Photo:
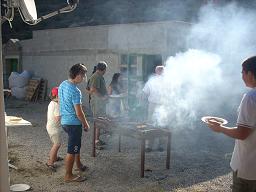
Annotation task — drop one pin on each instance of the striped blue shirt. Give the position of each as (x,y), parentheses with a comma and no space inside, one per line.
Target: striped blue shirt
(69,96)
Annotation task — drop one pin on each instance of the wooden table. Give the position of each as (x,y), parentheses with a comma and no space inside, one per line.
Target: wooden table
(130,129)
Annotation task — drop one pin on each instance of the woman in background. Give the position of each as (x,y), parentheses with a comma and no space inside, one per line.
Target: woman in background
(115,87)
(115,90)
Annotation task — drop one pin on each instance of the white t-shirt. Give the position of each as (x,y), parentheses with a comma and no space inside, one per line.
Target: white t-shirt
(244,155)
(152,91)
(52,125)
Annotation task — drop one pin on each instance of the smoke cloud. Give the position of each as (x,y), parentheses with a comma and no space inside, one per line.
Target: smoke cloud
(206,79)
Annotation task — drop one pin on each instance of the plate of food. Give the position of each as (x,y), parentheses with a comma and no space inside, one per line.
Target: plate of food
(209,119)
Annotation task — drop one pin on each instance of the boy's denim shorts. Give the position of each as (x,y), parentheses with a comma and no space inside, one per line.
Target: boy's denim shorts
(74,138)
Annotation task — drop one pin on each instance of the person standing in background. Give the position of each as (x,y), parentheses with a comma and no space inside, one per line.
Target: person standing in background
(53,128)
(115,90)
(73,119)
(152,94)
(99,97)
(115,87)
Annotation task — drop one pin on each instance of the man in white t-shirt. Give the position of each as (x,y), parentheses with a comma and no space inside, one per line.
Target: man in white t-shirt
(153,95)
(243,162)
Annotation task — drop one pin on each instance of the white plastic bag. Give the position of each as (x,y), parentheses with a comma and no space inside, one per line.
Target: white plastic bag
(19,80)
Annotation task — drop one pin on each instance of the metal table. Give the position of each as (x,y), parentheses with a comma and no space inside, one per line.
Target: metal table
(131,129)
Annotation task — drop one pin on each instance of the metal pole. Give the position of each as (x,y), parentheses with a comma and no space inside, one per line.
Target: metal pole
(142,157)
(119,142)
(93,139)
(168,151)
(4,169)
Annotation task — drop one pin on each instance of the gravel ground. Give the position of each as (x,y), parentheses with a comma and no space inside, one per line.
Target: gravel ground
(199,159)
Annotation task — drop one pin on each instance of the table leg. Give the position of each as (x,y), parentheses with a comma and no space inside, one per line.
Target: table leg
(142,158)
(119,143)
(168,151)
(93,140)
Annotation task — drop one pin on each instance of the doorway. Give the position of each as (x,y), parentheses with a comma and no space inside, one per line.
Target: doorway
(136,69)
(149,63)
(10,65)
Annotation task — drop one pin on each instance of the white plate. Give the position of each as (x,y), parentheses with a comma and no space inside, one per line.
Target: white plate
(217,119)
(19,187)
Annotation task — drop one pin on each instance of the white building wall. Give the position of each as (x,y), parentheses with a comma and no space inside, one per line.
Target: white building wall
(52,52)
(79,38)
(55,68)
(148,38)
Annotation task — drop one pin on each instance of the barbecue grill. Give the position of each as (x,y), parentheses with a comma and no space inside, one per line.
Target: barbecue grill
(140,131)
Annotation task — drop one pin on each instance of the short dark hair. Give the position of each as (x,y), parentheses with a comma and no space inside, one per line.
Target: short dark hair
(77,69)
(101,66)
(249,64)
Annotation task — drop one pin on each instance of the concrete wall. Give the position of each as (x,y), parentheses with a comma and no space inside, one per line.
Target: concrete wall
(138,38)
(55,68)
(51,52)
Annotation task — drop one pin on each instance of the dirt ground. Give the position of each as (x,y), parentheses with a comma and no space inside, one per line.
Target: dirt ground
(199,159)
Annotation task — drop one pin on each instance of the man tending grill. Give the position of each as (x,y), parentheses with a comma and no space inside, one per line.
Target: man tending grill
(153,96)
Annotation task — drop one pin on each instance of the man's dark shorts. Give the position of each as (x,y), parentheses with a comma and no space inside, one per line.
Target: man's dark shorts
(74,138)
(243,185)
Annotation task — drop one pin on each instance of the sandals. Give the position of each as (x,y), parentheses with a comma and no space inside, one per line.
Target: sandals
(78,178)
(51,167)
(54,167)
(83,168)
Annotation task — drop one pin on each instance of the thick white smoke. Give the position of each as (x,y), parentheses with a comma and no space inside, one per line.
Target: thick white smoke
(183,86)
(208,76)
